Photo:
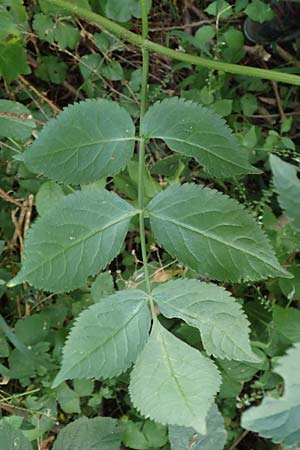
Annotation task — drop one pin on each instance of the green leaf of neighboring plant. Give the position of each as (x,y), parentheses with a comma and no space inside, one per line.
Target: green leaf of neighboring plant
(13,60)
(196,131)
(144,435)
(83,388)
(98,143)
(60,32)
(47,196)
(102,286)
(113,71)
(44,27)
(78,238)
(220,319)
(212,234)
(123,10)
(259,11)
(182,438)
(66,35)
(291,288)
(16,120)
(287,186)
(107,337)
(12,439)
(15,9)
(68,399)
(90,434)
(279,419)
(172,383)
(51,69)
(287,322)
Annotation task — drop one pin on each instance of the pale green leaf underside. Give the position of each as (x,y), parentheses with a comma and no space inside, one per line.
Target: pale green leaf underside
(287,186)
(74,240)
(182,438)
(88,141)
(212,234)
(279,419)
(224,327)
(107,337)
(12,439)
(90,434)
(172,383)
(196,131)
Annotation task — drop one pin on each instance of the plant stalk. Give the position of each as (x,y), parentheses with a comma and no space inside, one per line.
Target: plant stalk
(142,42)
(142,145)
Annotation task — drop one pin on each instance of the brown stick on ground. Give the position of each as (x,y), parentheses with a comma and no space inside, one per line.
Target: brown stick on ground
(5,196)
(55,109)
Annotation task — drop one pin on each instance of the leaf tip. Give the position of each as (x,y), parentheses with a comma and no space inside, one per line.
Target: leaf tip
(20,157)
(58,380)
(285,274)
(15,281)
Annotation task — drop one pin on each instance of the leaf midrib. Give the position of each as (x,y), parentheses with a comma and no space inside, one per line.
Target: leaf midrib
(209,236)
(84,238)
(206,149)
(111,336)
(79,147)
(171,370)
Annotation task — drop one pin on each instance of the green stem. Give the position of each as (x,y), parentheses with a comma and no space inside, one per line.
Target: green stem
(143,42)
(142,145)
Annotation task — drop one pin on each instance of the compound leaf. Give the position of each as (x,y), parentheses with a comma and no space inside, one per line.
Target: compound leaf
(287,186)
(172,383)
(279,419)
(182,438)
(107,337)
(88,141)
(196,131)
(212,234)
(90,434)
(74,240)
(220,319)
(12,439)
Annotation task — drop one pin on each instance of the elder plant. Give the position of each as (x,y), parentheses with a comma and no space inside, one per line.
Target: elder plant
(171,382)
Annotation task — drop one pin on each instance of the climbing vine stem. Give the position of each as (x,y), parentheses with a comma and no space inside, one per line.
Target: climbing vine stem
(142,42)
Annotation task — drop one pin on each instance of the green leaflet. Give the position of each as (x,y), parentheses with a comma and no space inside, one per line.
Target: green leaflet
(279,419)
(196,131)
(74,240)
(16,120)
(287,186)
(212,234)
(12,439)
(88,141)
(172,383)
(107,337)
(182,438)
(90,434)
(224,327)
